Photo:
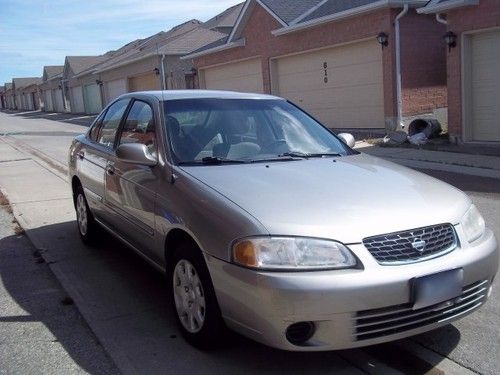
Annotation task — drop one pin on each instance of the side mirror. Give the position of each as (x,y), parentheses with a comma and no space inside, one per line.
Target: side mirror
(136,153)
(347,138)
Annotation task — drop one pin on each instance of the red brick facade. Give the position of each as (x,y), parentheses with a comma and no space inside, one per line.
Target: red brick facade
(423,64)
(423,78)
(483,16)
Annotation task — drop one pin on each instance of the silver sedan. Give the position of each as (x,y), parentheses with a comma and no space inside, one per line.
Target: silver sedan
(268,223)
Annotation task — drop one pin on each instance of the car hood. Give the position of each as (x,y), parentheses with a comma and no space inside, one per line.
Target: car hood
(346,198)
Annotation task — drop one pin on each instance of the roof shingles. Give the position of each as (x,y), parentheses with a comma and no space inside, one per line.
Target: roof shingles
(336,6)
(20,83)
(289,10)
(52,71)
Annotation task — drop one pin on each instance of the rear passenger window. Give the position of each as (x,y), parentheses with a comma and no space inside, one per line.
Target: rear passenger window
(111,122)
(139,126)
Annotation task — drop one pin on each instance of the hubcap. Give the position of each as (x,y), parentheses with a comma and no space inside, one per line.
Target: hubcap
(189,296)
(81,214)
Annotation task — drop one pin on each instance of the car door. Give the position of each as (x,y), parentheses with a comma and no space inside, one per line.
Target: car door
(93,156)
(131,188)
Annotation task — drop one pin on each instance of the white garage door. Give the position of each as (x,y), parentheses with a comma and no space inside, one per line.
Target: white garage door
(144,82)
(24,101)
(342,86)
(29,100)
(77,105)
(244,76)
(485,81)
(58,100)
(49,107)
(92,98)
(115,88)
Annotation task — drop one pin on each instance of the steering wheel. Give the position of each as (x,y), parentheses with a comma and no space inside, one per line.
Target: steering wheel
(274,146)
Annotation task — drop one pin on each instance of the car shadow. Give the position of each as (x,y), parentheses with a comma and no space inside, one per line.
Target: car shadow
(70,118)
(127,305)
(38,320)
(466,183)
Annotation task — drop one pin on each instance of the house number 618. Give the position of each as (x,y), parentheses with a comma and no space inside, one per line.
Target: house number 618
(325,68)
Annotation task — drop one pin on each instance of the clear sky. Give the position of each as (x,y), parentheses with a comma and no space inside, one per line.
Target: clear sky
(35,33)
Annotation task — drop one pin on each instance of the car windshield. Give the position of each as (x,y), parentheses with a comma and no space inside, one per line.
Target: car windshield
(215,131)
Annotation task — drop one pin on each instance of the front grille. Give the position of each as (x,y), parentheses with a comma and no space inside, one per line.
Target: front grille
(371,324)
(406,246)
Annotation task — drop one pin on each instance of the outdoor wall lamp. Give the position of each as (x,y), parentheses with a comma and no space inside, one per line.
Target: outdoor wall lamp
(194,71)
(98,82)
(383,39)
(450,39)
(157,71)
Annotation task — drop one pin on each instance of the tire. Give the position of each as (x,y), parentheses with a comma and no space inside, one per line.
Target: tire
(193,299)
(87,227)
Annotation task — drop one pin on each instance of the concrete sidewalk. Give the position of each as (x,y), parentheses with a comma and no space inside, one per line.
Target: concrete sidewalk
(471,164)
(41,330)
(68,118)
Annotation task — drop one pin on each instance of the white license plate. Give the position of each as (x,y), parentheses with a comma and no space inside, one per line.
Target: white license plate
(439,287)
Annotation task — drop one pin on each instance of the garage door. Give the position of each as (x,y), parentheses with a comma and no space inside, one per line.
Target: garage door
(49,107)
(485,81)
(77,105)
(92,98)
(115,88)
(144,83)
(245,76)
(342,86)
(29,101)
(24,103)
(58,100)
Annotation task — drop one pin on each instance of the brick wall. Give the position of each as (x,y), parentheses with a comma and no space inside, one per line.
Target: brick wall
(423,64)
(261,43)
(482,16)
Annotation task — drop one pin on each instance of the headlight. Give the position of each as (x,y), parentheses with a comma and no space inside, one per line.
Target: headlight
(292,253)
(473,224)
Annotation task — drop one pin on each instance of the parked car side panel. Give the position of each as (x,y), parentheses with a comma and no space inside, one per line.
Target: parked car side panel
(210,219)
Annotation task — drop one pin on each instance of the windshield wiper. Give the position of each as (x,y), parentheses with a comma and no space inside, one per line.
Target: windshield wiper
(215,160)
(323,154)
(299,154)
(294,154)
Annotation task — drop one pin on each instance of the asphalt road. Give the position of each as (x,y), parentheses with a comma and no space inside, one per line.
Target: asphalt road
(125,303)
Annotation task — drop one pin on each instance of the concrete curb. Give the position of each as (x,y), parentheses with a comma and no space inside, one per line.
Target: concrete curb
(460,169)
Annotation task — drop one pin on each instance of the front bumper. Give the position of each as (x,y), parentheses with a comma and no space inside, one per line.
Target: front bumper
(349,308)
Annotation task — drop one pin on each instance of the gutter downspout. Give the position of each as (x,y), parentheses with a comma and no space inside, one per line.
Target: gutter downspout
(398,65)
(163,82)
(440,19)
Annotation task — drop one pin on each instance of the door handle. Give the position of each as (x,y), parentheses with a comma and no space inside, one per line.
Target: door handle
(110,169)
(81,155)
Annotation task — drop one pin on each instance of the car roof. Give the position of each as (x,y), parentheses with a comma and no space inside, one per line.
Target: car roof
(197,94)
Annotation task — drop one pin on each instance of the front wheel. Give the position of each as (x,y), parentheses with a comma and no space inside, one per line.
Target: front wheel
(197,312)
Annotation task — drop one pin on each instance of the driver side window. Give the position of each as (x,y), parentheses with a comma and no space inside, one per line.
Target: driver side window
(139,126)
(110,123)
